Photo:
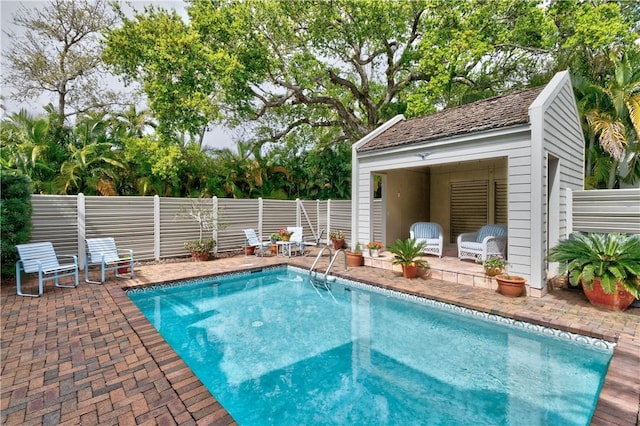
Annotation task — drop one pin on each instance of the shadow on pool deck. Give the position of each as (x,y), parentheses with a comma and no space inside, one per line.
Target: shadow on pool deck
(88,356)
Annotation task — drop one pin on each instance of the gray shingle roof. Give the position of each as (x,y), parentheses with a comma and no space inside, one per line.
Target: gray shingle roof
(487,114)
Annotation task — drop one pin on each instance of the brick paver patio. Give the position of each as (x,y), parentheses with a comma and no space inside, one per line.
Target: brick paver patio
(88,356)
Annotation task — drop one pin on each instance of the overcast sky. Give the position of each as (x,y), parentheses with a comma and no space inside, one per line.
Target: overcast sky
(218,138)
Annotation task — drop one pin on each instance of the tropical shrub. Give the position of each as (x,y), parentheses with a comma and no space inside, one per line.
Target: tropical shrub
(15,218)
(613,258)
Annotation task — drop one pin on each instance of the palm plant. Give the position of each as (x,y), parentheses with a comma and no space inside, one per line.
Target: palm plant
(408,252)
(613,258)
(612,112)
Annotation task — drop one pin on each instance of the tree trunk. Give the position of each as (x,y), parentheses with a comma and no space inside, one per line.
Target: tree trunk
(612,174)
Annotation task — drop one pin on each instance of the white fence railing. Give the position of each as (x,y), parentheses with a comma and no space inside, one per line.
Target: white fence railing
(153,229)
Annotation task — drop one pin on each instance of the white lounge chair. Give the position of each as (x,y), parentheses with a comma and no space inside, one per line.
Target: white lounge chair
(103,252)
(431,234)
(490,240)
(296,239)
(41,258)
(252,240)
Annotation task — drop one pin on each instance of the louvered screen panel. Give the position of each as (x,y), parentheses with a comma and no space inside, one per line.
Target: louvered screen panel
(277,214)
(377,221)
(174,229)
(127,219)
(607,210)
(501,205)
(55,219)
(469,207)
(341,217)
(235,216)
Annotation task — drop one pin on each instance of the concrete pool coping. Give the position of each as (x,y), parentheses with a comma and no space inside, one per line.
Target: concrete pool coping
(87,355)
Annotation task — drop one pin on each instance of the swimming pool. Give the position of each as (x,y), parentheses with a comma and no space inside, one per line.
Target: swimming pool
(274,349)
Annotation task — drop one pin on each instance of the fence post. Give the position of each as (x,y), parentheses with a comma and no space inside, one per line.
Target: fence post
(328,218)
(156,227)
(82,233)
(298,214)
(214,212)
(318,224)
(260,216)
(569,214)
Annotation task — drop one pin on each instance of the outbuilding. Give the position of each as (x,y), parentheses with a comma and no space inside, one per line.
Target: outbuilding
(504,160)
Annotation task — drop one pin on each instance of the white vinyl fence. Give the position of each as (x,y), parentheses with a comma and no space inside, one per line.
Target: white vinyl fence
(604,210)
(152,228)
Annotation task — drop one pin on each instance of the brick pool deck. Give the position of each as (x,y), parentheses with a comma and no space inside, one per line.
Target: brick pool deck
(88,356)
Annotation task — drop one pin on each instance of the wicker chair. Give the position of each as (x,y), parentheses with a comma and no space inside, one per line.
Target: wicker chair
(431,234)
(490,240)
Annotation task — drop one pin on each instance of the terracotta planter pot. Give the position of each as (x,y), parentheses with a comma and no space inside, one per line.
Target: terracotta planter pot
(510,285)
(410,271)
(123,267)
(354,259)
(492,272)
(200,257)
(250,250)
(338,244)
(274,249)
(616,301)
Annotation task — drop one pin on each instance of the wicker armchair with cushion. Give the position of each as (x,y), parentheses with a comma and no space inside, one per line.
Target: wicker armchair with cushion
(490,240)
(431,234)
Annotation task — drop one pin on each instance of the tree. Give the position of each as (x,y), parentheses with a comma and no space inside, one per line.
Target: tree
(613,114)
(90,167)
(59,54)
(177,72)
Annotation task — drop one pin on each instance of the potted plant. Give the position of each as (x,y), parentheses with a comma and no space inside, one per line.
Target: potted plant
(510,285)
(274,238)
(200,249)
(201,212)
(407,254)
(374,248)
(355,258)
(494,265)
(607,266)
(337,237)
(284,234)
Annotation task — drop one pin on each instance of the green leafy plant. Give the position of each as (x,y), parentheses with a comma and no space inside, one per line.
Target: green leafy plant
(358,248)
(408,252)
(202,246)
(613,258)
(494,262)
(15,218)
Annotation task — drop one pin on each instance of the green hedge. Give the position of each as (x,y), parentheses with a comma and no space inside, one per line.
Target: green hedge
(15,218)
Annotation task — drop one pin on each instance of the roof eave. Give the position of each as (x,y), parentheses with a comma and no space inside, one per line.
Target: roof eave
(447,141)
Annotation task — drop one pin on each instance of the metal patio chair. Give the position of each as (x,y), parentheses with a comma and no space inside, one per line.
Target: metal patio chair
(104,252)
(41,258)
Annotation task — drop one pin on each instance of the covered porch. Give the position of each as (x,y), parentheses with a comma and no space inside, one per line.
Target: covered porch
(447,268)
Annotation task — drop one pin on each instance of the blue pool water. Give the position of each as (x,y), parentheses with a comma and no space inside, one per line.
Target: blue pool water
(275,350)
